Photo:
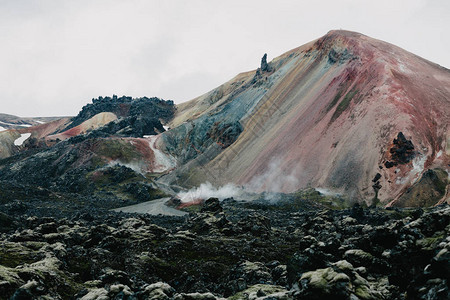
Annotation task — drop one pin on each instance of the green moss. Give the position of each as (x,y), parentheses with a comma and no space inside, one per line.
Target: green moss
(80,266)
(322,279)
(330,202)
(266,288)
(116,150)
(14,254)
(429,243)
(156,193)
(192,208)
(427,191)
(68,287)
(34,245)
(363,292)
(440,181)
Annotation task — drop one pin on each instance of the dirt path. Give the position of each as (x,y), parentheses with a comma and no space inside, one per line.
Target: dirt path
(154,207)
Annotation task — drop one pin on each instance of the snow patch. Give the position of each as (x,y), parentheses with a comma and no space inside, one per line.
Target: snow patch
(6,123)
(418,165)
(2,128)
(439,154)
(166,127)
(23,138)
(163,161)
(17,124)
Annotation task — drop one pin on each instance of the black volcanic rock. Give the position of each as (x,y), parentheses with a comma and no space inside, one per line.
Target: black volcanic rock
(264,65)
(269,251)
(402,151)
(142,113)
(212,205)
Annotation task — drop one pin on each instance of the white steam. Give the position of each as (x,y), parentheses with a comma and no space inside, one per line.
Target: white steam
(207,190)
(133,166)
(274,180)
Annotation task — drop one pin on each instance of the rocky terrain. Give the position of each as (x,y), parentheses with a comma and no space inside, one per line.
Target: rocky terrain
(232,249)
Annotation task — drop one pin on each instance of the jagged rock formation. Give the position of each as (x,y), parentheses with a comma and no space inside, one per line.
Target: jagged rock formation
(264,65)
(122,116)
(123,107)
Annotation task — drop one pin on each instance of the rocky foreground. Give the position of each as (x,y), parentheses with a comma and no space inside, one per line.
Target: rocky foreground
(232,250)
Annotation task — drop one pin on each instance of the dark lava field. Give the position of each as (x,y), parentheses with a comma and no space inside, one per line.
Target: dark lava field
(230,249)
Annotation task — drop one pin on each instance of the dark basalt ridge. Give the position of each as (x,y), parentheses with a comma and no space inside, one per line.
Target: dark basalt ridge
(125,107)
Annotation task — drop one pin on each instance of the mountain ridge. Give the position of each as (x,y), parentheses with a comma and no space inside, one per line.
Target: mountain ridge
(328,114)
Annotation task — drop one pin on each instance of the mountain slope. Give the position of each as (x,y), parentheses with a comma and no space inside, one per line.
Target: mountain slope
(323,115)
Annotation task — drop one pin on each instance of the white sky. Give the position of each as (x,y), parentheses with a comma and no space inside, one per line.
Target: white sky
(55,56)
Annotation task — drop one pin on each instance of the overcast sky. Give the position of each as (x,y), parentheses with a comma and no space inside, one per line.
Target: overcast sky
(55,56)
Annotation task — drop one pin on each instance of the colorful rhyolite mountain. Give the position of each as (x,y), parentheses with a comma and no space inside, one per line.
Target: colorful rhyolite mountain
(345,114)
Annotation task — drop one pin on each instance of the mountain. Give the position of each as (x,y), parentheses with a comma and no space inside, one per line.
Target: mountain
(338,113)
(345,114)
(15,122)
(14,131)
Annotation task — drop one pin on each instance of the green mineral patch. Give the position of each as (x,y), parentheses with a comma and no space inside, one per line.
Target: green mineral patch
(344,104)
(427,191)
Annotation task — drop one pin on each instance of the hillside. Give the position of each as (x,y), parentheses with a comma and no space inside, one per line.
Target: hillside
(326,115)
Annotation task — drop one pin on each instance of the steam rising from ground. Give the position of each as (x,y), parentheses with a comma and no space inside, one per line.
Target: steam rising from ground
(207,190)
(133,166)
(272,182)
